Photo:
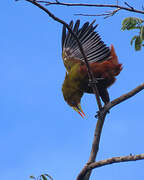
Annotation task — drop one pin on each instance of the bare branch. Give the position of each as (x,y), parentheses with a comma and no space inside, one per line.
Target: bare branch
(86,171)
(116,160)
(94,5)
(107,14)
(124,97)
(109,161)
(129,5)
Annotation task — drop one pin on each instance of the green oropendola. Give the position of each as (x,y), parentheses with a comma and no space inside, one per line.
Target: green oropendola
(103,62)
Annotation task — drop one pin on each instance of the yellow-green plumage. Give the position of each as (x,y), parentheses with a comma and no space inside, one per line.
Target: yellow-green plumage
(73,86)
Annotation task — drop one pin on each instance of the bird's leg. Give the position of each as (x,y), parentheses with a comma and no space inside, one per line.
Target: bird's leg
(103,92)
(105,97)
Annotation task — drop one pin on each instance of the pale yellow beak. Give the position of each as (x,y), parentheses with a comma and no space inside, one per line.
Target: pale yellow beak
(79,110)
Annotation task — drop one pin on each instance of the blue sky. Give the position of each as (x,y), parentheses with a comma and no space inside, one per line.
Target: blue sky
(39,132)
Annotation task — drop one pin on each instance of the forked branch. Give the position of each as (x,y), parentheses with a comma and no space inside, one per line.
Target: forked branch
(86,171)
(109,161)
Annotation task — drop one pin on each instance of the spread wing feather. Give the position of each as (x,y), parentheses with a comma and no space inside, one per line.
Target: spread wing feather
(93,46)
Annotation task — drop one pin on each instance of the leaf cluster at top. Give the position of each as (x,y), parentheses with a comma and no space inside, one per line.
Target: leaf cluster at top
(131,23)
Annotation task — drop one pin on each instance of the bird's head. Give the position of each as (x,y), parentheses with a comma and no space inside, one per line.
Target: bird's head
(77,107)
(73,97)
(72,94)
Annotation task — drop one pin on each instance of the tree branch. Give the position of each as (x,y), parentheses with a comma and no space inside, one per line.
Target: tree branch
(48,3)
(124,97)
(129,5)
(86,171)
(109,161)
(106,14)
(116,160)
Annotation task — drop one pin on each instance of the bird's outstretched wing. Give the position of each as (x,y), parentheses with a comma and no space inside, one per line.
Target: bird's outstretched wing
(94,47)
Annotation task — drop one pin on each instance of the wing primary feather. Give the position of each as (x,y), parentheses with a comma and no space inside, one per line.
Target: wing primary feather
(94,48)
(69,36)
(75,30)
(83,30)
(102,55)
(63,35)
(88,33)
(93,41)
(89,41)
(76,27)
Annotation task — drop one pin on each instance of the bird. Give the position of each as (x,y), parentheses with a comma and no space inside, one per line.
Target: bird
(102,60)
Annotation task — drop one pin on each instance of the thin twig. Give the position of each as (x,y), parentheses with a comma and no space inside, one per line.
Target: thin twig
(92,5)
(107,14)
(80,14)
(129,5)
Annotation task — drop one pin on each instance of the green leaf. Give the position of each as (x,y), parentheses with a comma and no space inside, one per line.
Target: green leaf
(32,177)
(138,43)
(132,23)
(142,33)
(49,176)
(134,38)
(44,177)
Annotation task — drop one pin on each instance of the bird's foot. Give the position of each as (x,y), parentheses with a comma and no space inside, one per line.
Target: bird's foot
(102,112)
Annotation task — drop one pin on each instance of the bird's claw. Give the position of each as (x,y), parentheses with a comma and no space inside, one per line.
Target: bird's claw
(102,112)
(99,114)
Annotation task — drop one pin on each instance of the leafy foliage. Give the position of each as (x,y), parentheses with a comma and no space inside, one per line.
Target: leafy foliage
(32,177)
(42,177)
(131,23)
